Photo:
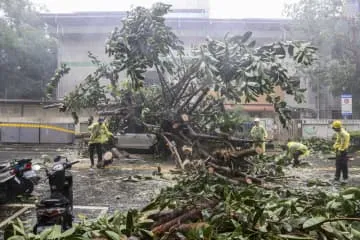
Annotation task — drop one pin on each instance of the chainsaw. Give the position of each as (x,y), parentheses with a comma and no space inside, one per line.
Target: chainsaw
(350,158)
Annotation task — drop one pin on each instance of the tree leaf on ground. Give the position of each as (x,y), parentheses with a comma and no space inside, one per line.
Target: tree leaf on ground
(113,235)
(295,237)
(313,222)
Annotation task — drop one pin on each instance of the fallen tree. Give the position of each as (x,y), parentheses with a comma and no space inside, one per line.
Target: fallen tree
(226,192)
(207,204)
(197,86)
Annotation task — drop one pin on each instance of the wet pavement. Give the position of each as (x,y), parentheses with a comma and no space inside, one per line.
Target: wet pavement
(127,183)
(102,187)
(130,183)
(322,171)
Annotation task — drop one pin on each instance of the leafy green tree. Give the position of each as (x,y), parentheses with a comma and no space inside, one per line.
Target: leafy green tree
(27,53)
(233,68)
(325,24)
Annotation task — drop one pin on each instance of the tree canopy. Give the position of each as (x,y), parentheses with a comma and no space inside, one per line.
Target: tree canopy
(28,55)
(233,68)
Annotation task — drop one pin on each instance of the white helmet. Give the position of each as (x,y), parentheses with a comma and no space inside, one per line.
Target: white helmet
(257,120)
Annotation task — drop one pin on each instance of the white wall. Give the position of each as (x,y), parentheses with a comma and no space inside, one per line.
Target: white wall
(34,113)
(74,52)
(322,128)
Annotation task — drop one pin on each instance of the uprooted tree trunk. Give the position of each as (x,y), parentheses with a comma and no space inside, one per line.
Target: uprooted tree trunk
(176,218)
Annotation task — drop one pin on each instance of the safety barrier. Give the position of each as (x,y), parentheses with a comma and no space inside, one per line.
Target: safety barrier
(37,133)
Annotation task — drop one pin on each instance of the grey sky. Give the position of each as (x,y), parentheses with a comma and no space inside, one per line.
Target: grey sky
(218,8)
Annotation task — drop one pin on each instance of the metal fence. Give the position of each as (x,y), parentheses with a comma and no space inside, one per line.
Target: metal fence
(64,133)
(308,128)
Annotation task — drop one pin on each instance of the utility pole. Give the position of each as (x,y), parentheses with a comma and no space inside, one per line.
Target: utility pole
(318,98)
(354,38)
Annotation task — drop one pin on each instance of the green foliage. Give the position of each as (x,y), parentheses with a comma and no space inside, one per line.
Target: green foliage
(28,53)
(54,81)
(240,212)
(355,141)
(316,144)
(237,69)
(230,120)
(141,43)
(233,68)
(326,146)
(116,226)
(132,107)
(354,133)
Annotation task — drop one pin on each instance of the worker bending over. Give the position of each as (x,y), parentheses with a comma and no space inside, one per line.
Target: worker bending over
(295,150)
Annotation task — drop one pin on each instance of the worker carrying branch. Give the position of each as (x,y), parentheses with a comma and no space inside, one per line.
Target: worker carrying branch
(100,135)
(258,134)
(341,147)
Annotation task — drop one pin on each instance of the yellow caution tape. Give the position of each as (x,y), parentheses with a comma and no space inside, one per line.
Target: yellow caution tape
(36,125)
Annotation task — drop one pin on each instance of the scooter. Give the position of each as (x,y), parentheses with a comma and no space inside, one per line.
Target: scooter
(21,168)
(58,208)
(13,184)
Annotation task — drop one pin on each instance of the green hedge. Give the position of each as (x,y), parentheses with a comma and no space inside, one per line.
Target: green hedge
(355,140)
(318,144)
(322,145)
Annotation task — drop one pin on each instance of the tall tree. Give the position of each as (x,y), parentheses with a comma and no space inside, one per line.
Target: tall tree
(27,53)
(326,25)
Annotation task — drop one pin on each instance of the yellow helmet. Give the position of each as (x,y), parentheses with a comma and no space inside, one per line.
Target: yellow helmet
(336,124)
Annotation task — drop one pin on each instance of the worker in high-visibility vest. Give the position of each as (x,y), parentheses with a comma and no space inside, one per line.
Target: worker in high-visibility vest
(341,147)
(295,150)
(258,134)
(100,134)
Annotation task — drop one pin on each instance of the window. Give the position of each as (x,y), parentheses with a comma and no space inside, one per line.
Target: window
(336,114)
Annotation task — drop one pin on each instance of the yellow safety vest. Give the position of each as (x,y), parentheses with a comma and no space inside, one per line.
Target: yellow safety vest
(342,140)
(99,133)
(296,146)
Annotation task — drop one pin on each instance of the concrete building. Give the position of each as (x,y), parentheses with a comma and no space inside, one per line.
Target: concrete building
(79,33)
